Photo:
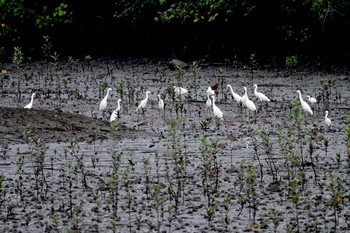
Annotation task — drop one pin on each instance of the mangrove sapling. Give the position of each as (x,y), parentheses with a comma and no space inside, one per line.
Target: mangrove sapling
(226,205)
(79,163)
(250,132)
(211,210)
(138,220)
(337,157)
(326,144)
(294,195)
(241,184)
(147,168)
(270,160)
(20,172)
(175,151)
(127,185)
(195,68)
(251,192)
(347,139)
(158,200)
(337,192)
(312,160)
(171,215)
(114,181)
(210,169)
(275,217)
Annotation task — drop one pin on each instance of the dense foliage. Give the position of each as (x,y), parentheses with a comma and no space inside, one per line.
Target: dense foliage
(222,27)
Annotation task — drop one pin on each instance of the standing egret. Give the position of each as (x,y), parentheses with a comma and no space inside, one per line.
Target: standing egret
(259,95)
(180,90)
(160,103)
(208,102)
(237,97)
(143,102)
(103,103)
(247,102)
(115,113)
(327,121)
(306,107)
(30,105)
(216,110)
(311,99)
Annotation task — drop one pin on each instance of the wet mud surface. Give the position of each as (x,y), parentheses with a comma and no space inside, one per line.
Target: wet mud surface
(65,167)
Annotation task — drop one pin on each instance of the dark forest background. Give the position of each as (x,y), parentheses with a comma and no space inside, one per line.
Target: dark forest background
(218,29)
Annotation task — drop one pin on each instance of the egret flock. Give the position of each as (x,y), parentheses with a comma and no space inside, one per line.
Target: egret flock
(243,101)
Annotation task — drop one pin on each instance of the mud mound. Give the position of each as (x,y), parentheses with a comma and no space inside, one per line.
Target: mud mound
(52,126)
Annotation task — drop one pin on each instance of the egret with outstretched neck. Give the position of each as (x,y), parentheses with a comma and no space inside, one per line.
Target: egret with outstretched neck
(30,105)
(237,97)
(306,107)
(160,104)
(247,102)
(216,110)
(261,96)
(103,104)
(327,121)
(143,102)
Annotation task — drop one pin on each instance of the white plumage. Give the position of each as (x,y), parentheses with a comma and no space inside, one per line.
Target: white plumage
(103,103)
(180,90)
(247,102)
(259,95)
(208,102)
(216,110)
(30,105)
(237,97)
(160,103)
(306,107)
(210,91)
(115,113)
(327,121)
(143,102)
(311,99)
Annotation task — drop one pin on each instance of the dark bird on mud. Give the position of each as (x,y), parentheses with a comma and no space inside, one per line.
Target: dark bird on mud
(30,105)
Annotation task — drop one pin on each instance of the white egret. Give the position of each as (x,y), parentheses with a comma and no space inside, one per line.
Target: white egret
(306,107)
(160,103)
(237,97)
(115,113)
(103,103)
(30,105)
(311,99)
(259,95)
(180,90)
(327,121)
(208,102)
(247,102)
(216,110)
(143,102)
(210,91)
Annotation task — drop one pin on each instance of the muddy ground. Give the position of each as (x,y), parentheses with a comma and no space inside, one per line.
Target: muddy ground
(65,167)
